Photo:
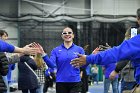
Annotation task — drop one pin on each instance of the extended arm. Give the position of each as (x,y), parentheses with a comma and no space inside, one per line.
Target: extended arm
(5,47)
(51,62)
(125,51)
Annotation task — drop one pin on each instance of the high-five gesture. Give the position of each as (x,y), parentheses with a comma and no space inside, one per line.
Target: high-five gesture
(102,47)
(38,46)
(95,51)
(26,50)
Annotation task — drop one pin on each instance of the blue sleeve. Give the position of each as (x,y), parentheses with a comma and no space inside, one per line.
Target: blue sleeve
(82,51)
(5,47)
(51,62)
(125,51)
(12,66)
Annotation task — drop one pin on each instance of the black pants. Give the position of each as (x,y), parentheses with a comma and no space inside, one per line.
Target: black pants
(31,90)
(74,87)
(48,83)
(84,81)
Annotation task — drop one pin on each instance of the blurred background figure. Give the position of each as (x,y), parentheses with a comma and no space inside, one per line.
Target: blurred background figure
(50,76)
(27,80)
(107,69)
(94,74)
(41,67)
(84,73)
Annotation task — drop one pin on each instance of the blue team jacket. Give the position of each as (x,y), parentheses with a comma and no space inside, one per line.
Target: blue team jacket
(60,58)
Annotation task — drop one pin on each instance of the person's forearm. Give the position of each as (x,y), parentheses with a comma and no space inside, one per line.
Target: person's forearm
(120,65)
(19,50)
(48,61)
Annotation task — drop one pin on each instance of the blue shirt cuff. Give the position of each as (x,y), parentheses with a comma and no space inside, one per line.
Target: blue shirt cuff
(43,55)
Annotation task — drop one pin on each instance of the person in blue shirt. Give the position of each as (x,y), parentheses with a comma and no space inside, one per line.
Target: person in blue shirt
(7,78)
(107,69)
(128,50)
(6,47)
(126,69)
(67,77)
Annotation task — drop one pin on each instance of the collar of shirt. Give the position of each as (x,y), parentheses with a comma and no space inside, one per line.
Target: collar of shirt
(69,47)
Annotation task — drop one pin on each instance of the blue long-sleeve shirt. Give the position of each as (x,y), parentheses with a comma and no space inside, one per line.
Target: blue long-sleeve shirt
(60,58)
(5,47)
(128,50)
(108,69)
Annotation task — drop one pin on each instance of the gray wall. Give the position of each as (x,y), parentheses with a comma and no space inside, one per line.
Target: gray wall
(115,7)
(51,5)
(102,7)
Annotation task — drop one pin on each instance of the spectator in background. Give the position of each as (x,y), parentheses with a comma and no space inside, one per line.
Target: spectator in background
(53,75)
(9,75)
(83,74)
(83,79)
(27,80)
(41,67)
(14,58)
(49,79)
(88,71)
(94,74)
(127,75)
(3,71)
(107,69)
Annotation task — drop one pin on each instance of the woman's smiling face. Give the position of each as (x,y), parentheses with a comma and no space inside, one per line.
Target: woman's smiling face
(67,35)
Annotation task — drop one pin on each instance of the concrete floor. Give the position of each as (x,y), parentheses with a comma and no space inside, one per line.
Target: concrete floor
(92,89)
